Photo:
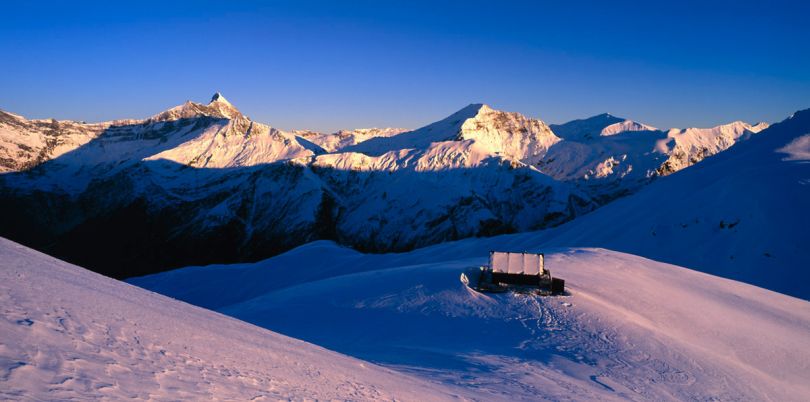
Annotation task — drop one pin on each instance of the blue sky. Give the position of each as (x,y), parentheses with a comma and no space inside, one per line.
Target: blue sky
(345,64)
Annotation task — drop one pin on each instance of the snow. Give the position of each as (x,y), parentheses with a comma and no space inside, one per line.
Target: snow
(603,125)
(337,141)
(478,172)
(69,334)
(225,173)
(693,144)
(219,98)
(608,156)
(510,135)
(234,146)
(25,143)
(630,328)
(741,214)
(798,149)
(216,135)
(624,126)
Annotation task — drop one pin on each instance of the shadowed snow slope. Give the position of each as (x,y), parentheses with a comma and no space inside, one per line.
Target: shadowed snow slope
(741,214)
(631,328)
(601,125)
(609,156)
(69,334)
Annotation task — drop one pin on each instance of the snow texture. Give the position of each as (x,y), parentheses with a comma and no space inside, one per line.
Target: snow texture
(69,334)
(741,214)
(630,328)
(201,172)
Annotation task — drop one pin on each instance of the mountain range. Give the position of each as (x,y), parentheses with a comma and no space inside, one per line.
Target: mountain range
(611,203)
(203,183)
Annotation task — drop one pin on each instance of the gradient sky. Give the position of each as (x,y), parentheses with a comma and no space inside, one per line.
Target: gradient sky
(346,64)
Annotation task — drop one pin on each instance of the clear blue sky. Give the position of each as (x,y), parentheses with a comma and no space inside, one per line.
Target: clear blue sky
(346,64)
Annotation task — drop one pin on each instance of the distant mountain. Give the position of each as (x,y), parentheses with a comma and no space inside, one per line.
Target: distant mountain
(510,135)
(742,214)
(592,128)
(339,140)
(204,183)
(27,143)
(608,156)
(215,135)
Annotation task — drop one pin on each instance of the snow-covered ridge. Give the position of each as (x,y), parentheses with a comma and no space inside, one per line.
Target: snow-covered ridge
(610,156)
(597,126)
(213,135)
(624,126)
(27,143)
(509,135)
(68,333)
(630,329)
(689,146)
(333,142)
(239,142)
(202,170)
(217,107)
(740,214)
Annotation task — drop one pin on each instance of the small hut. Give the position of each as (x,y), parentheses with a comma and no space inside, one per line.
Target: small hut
(514,271)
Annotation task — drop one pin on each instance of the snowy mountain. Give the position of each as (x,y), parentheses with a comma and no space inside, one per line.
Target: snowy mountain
(741,214)
(631,328)
(602,125)
(608,157)
(690,146)
(203,183)
(510,135)
(336,141)
(70,334)
(215,135)
(27,143)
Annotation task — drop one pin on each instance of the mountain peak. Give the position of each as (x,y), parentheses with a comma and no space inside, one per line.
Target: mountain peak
(605,117)
(601,125)
(219,99)
(218,107)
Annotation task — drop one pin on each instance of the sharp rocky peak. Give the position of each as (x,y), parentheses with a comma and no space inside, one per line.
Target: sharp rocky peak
(219,98)
(218,107)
